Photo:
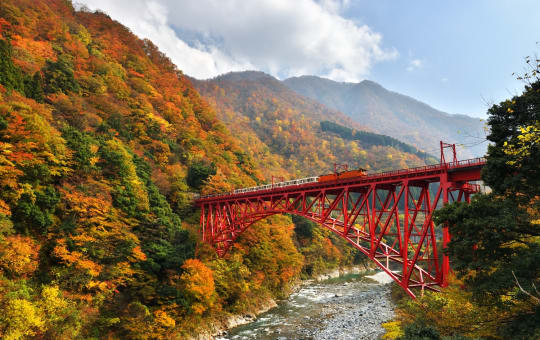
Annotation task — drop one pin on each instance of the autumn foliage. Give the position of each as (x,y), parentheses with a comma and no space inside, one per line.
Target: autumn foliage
(104,144)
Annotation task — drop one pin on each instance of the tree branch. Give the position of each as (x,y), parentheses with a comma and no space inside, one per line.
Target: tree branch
(534,298)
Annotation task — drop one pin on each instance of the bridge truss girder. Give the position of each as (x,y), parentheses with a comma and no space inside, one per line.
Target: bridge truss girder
(391,223)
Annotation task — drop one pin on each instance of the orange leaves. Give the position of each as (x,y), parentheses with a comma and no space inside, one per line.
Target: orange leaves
(88,209)
(103,246)
(35,53)
(138,255)
(18,256)
(4,208)
(28,139)
(5,26)
(161,153)
(136,74)
(76,259)
(198,283)
(218,183)
(269,247)
(163,319)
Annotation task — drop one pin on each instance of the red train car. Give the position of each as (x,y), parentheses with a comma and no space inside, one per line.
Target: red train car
(342,175)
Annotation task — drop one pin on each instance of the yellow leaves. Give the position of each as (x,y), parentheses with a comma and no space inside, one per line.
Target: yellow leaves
(100,285)
(393,330)
(526,141)
(129,173)
(26,314)
(82,238)
(198,308)
(124,271)
(52,300)
(163,319)
(19,256)
(161,153)
(22,318)
(100,229)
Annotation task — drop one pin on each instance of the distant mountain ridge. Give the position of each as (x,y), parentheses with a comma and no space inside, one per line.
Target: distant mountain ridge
(394,114)
(311,107)
(282,132)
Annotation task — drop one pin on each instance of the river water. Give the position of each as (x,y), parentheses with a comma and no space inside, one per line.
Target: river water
(348,307)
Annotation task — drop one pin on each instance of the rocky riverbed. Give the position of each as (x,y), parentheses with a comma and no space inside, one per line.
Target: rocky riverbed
(348,307)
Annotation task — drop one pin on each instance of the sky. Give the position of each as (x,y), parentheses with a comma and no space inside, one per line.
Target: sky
(457,56)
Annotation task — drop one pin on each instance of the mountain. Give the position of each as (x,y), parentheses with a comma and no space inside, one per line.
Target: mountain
(284,128)
(394,114)
(103,144)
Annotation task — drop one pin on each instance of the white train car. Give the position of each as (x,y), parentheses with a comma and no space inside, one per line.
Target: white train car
(277,185)
(294,182)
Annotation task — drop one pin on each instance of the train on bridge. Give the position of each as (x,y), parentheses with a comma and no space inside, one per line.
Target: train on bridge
(322,178)
(388,216)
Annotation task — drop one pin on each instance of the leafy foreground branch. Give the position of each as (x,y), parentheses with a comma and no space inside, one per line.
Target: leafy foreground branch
(495,246)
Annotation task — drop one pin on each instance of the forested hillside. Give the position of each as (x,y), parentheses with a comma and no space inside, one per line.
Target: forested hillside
(370,138)
(283,129)
(394,114)
(103,144)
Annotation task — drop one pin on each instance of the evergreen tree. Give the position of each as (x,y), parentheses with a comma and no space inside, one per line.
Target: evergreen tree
(59,76)
(10,75)
(496,239)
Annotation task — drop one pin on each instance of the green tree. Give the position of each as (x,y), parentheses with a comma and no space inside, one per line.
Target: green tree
(198,173)
(10,75)
(496,239)
(59,76)
(33,87)
(420,331)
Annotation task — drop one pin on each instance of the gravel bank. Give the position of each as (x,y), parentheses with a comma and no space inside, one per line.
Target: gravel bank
(325,310)
(356,316)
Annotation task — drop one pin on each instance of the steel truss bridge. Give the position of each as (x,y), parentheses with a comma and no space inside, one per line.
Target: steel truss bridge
(387,216)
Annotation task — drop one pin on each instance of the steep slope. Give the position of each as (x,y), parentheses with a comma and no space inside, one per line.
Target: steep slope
(393,114)
(102,144)
(286,128)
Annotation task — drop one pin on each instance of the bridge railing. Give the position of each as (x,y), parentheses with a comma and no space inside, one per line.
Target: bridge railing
(449,165)
(466,163)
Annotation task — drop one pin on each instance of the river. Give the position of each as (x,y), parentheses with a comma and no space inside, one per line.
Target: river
(349,307)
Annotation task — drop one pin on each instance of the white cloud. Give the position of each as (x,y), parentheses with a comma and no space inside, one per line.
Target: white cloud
(415,64)
(444,80)
(285,38)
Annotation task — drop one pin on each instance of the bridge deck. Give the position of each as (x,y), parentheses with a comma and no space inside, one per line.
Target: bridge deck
(465,170)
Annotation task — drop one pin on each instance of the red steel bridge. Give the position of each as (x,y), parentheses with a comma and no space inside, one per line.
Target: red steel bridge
(387,216)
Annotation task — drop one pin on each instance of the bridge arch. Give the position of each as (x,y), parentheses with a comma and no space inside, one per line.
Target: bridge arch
(386,217)
(384,265)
